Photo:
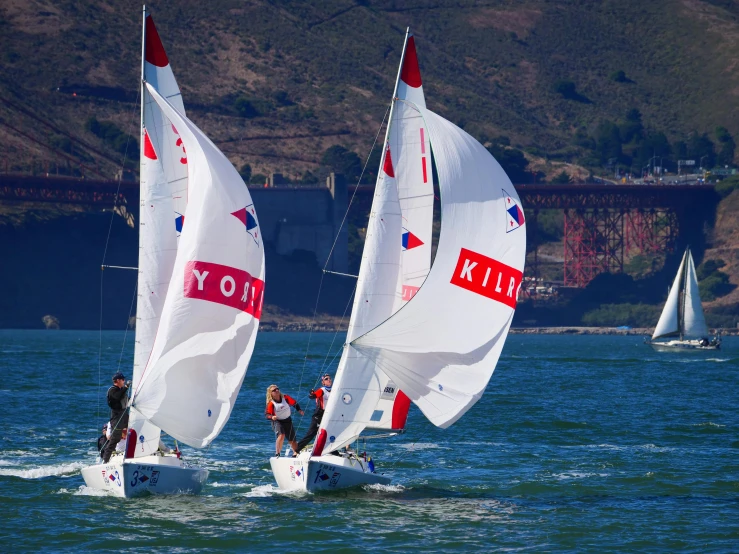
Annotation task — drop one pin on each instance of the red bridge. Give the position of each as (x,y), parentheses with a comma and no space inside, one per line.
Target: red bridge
(603,223)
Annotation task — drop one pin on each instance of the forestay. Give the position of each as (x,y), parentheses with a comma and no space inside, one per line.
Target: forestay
(669,323)
(163,170)
(442,347)
(211,312)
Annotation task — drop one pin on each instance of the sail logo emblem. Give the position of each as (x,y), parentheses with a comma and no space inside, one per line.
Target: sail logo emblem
(179,222)
(514,213)
(248,217)
(409,240)
(183,159)
(224,285)
(487,277)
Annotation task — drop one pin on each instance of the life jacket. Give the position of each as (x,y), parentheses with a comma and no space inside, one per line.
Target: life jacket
(322,400)
(282,409)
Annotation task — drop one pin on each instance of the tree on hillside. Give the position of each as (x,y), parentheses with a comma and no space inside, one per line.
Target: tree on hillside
(340,160)
(513,162)
(728,146)
(632,129)
(701,146)
(608,142)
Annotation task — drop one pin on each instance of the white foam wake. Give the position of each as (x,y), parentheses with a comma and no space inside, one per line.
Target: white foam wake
(43,471)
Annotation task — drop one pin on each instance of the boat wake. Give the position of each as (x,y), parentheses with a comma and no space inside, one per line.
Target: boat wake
(84,490)
(43,471)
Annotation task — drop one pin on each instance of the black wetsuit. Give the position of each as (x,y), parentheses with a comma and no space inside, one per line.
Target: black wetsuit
(118,419)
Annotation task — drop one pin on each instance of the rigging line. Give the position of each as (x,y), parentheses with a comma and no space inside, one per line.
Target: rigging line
(346,213)
(333,340)
(125,333)
(105,253)
(320,286)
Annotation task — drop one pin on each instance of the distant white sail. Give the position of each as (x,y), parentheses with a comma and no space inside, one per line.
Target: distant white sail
(211,313)
(694,322)
(669,323)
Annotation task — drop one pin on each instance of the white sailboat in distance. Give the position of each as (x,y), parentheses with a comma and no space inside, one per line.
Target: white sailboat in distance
(200,292)
(440,344)
(682,320)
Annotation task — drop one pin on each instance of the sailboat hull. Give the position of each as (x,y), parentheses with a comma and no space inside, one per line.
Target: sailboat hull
(148,474)
(323,473)
(683,346)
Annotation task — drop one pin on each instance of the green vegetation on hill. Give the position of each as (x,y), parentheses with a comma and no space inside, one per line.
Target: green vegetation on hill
(578,81)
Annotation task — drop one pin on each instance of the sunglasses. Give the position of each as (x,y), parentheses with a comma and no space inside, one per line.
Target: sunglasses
(275,389)
(327,378)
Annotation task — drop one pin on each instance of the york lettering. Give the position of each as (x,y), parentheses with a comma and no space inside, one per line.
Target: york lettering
(224,285)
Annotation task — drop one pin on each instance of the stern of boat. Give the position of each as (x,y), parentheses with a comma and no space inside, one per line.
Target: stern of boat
(148,474)
(323,473)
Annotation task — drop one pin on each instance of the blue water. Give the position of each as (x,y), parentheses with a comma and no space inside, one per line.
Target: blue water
(581,444)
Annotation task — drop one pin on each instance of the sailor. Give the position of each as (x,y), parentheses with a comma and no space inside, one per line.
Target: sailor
(320,395)
(117,400)
(279,413)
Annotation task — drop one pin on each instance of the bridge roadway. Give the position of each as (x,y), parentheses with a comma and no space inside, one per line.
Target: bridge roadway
(23,188)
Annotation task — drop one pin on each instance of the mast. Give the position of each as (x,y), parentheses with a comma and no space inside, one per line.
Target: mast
(143,90)
(684,294)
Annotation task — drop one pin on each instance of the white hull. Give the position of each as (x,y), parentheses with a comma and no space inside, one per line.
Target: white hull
(323,473)
(148,474)
(683,346)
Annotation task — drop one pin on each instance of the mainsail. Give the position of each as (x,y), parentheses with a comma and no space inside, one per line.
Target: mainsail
(163,176)
(411,152)
(211,312)
(441,348)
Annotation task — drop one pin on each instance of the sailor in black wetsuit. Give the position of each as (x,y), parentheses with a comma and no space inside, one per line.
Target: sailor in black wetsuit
(117,400)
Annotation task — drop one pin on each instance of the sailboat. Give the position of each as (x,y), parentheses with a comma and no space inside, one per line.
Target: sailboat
(436,344)
(200,292)
(682,316)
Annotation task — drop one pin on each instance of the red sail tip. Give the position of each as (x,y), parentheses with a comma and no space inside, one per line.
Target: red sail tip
(388,167)
(154,51)
(410,74)
(149,151)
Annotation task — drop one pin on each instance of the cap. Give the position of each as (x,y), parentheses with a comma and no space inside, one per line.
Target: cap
(326,375)
(118,375)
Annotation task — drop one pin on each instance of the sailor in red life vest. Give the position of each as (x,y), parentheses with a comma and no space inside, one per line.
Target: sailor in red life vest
(278,412)
(321,395)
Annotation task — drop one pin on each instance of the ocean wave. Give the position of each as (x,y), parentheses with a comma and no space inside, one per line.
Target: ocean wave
(567,475)
(84,490)
(378,487)
(44,471)
(263,491)
(424,446)
(707,424)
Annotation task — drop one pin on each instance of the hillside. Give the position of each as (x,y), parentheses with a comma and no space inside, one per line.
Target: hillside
(315,74)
